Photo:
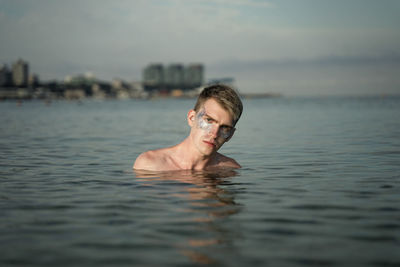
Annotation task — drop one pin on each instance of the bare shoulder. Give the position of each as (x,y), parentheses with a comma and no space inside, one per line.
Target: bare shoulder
(227,162)
(150,160)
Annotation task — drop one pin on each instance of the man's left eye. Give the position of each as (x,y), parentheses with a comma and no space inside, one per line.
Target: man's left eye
(225,130)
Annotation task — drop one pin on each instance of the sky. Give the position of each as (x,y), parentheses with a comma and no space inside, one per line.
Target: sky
(291,47)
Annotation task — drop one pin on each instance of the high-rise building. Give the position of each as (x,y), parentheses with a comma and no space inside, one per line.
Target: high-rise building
(174,76)
(33,80)
(194,76)
(153,77)
(20,73)
(5,76)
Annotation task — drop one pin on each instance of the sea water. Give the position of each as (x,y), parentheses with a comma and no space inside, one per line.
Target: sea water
(320,185)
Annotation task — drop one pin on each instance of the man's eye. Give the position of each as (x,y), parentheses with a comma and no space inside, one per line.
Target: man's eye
(209,120)
(225,130)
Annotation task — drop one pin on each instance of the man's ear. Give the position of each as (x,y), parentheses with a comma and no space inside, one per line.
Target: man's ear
(191,117)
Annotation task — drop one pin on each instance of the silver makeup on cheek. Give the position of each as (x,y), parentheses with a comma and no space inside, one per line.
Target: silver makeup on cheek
(225,133)
(201,123)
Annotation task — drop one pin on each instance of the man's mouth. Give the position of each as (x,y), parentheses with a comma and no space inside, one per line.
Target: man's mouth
(210,143)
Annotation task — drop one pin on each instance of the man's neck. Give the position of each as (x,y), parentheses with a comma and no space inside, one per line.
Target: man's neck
(190,158)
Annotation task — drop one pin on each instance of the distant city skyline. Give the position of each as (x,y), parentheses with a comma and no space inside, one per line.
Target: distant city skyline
(290,47)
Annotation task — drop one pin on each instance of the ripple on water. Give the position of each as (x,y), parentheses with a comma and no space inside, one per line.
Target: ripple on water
(319,186)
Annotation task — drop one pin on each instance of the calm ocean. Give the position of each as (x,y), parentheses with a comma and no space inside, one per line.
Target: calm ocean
(320,185)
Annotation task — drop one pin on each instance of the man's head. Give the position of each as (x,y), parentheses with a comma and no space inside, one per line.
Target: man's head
(213,118)
(225,96)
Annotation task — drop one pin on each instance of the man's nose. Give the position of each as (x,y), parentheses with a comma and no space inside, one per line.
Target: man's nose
(214,131)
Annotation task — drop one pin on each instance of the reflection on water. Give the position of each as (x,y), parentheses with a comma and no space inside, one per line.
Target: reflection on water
(319,186)
(208,203)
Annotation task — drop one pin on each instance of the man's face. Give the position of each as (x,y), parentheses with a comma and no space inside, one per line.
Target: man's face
(212,126)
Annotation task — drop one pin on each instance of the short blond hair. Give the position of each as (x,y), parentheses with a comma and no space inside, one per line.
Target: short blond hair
(225,96)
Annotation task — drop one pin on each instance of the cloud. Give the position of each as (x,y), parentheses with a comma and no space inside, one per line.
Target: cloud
(149,30)
(238,3)
(331,75)
(386,60)
(238,37)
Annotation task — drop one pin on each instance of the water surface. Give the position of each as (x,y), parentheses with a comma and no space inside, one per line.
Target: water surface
(319,186)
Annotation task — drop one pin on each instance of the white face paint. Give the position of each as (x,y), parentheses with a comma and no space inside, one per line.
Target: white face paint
(202,123)
(207,126)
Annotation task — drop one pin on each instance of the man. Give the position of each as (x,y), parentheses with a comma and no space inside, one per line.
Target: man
(212,121)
